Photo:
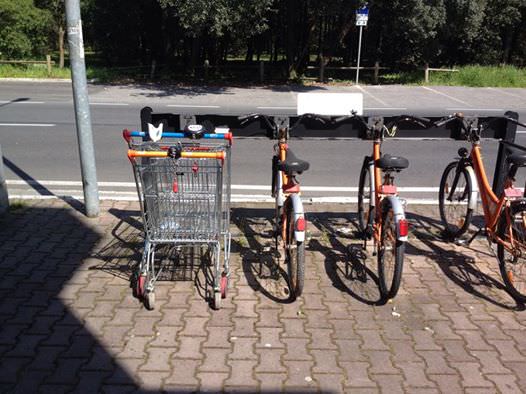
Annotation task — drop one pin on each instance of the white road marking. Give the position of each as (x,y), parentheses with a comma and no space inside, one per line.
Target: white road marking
(506,93)
(476,109)
(445,95)
(192,106)
(21,102)
(18,182)
(27,124)
(385,108)
(110,104)
(521,131)
(275,107)
(372,95)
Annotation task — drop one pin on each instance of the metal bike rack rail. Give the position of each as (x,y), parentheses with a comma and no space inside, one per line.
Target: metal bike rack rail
(498,128)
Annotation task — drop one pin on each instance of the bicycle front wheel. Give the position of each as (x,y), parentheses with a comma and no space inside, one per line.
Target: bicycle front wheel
(390,254)
(454,203)
(364,198)
(295,258)
(512,254)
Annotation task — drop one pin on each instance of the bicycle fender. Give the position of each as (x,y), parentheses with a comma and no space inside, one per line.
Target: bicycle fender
(473,199)
(399,214)
(371,182)
(297,206)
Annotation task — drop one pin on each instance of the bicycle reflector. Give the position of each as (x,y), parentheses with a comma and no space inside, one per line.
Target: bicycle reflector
(403,228)
(300,224)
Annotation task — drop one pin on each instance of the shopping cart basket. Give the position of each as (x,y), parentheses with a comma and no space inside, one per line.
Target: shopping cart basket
(184,194)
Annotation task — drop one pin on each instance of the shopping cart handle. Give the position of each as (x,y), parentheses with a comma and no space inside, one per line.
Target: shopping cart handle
(169,134)
(187,155)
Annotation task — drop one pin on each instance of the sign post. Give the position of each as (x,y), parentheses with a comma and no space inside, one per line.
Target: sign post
(82,110)
(362,15)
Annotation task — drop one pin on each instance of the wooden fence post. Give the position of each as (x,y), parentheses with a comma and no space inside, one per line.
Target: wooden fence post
(376,72)
(48,62)
(261,71)
(322,69)
(152,69)
(426,73)
(206,66)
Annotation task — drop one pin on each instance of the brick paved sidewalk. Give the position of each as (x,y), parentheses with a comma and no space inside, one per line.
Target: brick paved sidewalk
(69,322)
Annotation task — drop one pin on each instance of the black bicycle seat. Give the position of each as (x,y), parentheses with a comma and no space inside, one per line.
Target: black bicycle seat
(293,164)
(393,163)
(517,158)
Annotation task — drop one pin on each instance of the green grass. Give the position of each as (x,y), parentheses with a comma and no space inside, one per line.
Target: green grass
(475,76)
(482,76)
(32,71)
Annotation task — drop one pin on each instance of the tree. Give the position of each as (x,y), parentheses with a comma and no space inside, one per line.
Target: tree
(407,30)
(24,29)
(57,11)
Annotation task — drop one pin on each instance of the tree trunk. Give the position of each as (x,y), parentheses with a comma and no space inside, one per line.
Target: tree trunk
(61,46)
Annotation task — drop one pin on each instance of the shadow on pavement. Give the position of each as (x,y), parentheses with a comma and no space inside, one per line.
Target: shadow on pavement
(263,268)
(44,344)
(121,256)
(17,100)
(346,263)
(460,267)
(39,188)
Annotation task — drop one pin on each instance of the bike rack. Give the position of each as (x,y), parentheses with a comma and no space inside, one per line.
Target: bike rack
(499,128)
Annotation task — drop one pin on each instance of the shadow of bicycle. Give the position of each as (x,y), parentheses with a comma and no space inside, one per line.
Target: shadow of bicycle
(473,268)
(350,268)
(262,264)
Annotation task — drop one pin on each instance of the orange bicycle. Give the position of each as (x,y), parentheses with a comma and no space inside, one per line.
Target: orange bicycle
(504,216)
(289,223)
(381,215)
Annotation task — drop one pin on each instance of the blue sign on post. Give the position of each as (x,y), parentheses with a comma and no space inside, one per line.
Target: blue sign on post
(362,15)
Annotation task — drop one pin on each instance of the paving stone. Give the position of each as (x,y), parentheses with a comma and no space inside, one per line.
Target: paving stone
(243,349)
(211,381)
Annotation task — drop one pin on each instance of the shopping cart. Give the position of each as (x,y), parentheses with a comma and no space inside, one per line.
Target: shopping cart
(184,194)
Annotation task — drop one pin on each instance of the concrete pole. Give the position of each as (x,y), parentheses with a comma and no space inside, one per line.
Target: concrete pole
(4,197)
(359,54)
(82,110)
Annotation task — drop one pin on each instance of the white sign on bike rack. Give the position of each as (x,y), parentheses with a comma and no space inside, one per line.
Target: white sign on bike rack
(331,104)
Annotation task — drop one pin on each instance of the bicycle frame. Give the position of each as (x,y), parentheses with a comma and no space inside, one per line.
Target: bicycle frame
(286,188)
(491,204)
(382,191)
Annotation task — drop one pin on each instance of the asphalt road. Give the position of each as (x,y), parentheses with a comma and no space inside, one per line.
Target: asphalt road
(38,138)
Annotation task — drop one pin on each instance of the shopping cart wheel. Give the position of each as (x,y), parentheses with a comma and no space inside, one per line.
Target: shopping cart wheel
(224,285)
(140,283)
(149,300)
(217,300)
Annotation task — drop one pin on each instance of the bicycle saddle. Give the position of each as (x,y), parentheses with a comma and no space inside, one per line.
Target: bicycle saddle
(293,164)
(396,163)
(517,158)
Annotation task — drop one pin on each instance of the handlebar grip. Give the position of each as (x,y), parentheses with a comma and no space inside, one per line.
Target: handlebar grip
(187,155)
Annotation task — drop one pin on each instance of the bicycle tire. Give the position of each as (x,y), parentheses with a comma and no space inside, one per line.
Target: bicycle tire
(513,269)
(452,229)
(390,250)
(364,210)
(295,258)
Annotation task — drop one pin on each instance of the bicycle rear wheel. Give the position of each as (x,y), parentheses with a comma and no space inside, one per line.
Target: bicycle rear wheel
(295,257)
(364,197)
(455,211)
(512,260)
(390,254)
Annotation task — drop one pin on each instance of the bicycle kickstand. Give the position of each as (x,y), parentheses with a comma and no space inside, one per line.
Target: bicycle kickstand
(468,242)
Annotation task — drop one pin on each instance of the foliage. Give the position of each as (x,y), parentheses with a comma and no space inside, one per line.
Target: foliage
(24,29)
(176,37)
